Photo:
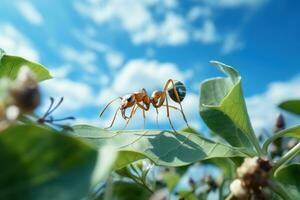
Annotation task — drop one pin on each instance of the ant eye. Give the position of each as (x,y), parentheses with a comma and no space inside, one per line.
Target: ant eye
(130,98)
(181,90)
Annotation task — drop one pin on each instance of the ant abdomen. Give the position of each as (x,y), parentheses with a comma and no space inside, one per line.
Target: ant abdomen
(181,90)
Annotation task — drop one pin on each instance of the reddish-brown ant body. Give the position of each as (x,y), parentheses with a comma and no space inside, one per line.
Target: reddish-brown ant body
(142,100)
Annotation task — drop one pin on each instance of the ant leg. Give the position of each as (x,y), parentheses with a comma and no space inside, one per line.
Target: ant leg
(170,106)
(157,118)
(177,97)
(144,116)
(144,107)
(168,116)
(134,108)
(108,105)
(114,118)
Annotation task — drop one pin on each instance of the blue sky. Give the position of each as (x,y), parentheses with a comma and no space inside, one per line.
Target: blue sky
(98,50)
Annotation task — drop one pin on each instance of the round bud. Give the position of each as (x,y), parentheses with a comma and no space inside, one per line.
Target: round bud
(181,91)
(26,98)
(238,190)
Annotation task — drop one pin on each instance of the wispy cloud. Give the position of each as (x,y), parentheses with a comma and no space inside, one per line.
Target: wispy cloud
(144,25)
(231,43)
(77,95)
(14,42)
(207,34)
(263,107)
(30,13)
(114,59)
(171,31)
(85,59)
(197,11)
(235,3)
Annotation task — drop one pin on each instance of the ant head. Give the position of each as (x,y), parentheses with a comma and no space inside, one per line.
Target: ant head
(127,101)
(181,90)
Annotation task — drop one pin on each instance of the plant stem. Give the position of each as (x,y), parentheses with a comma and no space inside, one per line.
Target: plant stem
(289,155)
(278,135)
(138,180)
(279,190)
(255,142)
(109,189)
(230,197)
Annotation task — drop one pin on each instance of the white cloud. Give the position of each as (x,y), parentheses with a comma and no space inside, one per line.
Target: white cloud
(207,34)
(30,13)
(235,3)
(121,10)
(231,43)
(262,108)
(14,42)
(141,25)
(149,74)
(76,95)
(171,31)
(114,59)
(197,12)
(61,72)
(85,59)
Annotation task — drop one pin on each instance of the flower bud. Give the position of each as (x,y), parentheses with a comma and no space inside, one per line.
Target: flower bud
(249,165)
(25,93)
(238,190)
(12,113)
(280,123)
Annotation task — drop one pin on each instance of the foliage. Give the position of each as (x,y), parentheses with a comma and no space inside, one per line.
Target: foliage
(43,160)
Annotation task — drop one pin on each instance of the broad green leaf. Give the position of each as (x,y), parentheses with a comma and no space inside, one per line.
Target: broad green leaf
(292,106)
(162,147)
(223,109)
(289,132)
(128,191)
(38,163)
(288,176)
(10,66)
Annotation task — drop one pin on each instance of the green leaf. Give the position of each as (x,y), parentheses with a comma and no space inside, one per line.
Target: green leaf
(223,109)
(288,177)
(289,132)
(162,147)
(292,106)
(38,163)
(187,195)
(10,66)
(172,180)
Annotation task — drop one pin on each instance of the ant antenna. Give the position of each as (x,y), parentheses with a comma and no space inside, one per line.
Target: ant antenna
(109,105)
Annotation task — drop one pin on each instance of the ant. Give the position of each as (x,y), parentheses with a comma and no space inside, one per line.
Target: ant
(142,100)
(46,118)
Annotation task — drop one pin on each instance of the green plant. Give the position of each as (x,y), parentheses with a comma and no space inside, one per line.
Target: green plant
(41,161)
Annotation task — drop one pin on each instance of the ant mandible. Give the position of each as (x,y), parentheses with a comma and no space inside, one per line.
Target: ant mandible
(142,100)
